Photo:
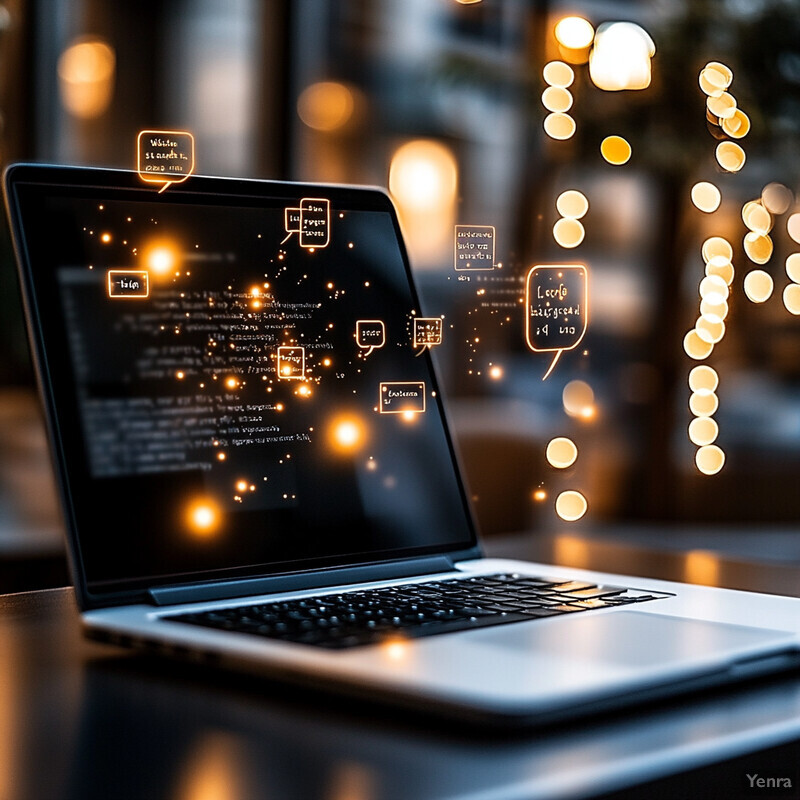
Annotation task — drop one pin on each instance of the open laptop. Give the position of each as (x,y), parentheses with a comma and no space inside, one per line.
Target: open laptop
(256,469)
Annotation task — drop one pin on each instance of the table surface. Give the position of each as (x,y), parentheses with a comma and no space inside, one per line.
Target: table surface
(85,720)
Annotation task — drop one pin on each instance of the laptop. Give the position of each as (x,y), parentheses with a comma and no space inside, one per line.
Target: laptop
(256,469)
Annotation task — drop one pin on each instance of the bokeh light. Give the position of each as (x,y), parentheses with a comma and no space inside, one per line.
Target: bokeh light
(557,99)
(758,286)
(758,247)
(571,505)
(557,73)
(706,196)
(620,59)
(703,431)
(574,33)
(791,298)
(559,126)
(703,379)
(578,399)
(86,72)
(203,517)
(568,232)
(710,459)
(326,106)
(572,204)
(615,150)
(561,452)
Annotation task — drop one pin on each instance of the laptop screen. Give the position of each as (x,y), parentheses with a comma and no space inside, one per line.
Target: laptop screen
(241,378)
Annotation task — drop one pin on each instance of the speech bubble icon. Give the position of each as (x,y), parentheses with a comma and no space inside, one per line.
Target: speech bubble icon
(291,364)
(164,157)
(556,308)
(315,222)
(474,248)
(370,334)
(427,331)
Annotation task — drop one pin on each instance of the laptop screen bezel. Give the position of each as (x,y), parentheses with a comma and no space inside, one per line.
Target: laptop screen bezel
(107,181)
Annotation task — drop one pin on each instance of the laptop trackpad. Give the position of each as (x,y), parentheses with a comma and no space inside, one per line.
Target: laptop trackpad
(629,638)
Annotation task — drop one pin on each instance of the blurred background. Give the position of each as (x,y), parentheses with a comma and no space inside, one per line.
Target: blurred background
(444,103)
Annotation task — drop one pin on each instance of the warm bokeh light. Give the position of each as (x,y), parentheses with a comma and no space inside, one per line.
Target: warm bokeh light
(561,452)
(758,247)
(791,298)
(703,379)
(730,156)
(703,404)
(706,196)
(86,77)
(559,126)
(714,289)
(574,33)
(495,372)
(423,180)
(568,232)
(710,459)
(758,286)
(709,331)
(423,175)
(557,99)
(793,227)
(241,486)
(231,383)
(203,517)
(571,505)
(621,57)
(347,434)
(695,347)
(777,198)
(756,217)
(557,73)
(326,106)
(793,267)
(736,126)
(615,150)
(572,204)
(714,312)
(723,107)
(722,268)
(716,246)
(160,258)
(577,397)
(702,567)
(539,495)
(703,431)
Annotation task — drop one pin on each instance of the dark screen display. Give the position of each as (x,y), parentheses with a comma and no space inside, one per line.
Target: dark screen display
(241,382)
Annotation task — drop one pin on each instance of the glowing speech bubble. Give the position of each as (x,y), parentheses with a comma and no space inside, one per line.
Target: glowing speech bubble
(165,157)
(291,363)
(427,331)
(128,284)
(474,247)
(402,397)
(556,308)
(370,334)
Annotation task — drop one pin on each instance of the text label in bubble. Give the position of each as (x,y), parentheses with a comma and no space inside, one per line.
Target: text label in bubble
(291,363)
(165,157)
(402,397)
(474,248)
(427,331)
(556,306)
(315,219)
(370,334)
(128,284)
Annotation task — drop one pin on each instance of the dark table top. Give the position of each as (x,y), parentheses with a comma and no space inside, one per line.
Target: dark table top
(84,720)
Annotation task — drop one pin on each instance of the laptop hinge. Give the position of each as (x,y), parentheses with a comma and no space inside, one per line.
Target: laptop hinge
(219,590)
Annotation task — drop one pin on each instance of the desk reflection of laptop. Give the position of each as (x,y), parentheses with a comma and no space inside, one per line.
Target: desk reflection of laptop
(255,471)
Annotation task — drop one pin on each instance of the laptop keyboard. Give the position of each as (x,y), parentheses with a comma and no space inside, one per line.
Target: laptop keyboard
(348,619)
